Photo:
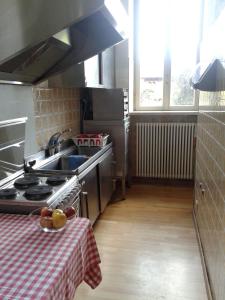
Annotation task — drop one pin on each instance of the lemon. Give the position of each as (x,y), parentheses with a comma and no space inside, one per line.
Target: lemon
(58,220)
(57,211)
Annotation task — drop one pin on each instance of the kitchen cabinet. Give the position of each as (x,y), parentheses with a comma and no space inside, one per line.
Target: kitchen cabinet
(90,197)
(105,179)
(96,181)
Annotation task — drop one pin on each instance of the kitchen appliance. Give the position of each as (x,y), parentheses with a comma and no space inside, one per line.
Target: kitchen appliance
(105,104)
(106,110)
(42,38)
(29,192)
(209,76)
(119,134)
(22,192)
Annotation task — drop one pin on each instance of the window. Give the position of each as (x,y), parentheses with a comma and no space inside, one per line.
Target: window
(166,47)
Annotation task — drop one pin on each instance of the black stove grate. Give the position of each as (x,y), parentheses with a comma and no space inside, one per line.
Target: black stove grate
(39,192)
(56,180)
(8,193)
(26,182)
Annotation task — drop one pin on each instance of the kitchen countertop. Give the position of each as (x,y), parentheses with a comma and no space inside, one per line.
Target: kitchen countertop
(39,265)
(43,163)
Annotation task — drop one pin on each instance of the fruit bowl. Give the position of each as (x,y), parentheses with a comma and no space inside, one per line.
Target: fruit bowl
(52,219)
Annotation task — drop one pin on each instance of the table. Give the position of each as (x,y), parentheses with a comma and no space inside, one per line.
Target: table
(38,265)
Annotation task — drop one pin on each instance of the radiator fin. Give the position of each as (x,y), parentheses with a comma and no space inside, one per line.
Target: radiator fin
(165,150)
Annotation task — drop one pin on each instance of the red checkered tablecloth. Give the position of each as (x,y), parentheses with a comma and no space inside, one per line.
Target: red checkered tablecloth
(37,265)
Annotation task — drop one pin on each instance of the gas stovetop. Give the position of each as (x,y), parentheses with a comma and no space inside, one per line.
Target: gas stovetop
(29,192)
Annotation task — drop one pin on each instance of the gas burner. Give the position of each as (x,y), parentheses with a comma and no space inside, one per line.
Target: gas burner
(56,180)
(8,193)
(26,182)
(39,192)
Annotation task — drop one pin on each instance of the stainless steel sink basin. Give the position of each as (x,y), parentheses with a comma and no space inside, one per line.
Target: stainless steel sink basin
(66,162)
(70,161)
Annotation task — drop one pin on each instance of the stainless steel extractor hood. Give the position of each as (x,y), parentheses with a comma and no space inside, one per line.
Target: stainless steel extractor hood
(40,38)
(209,76)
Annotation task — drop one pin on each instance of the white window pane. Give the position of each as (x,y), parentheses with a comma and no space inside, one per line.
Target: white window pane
(151,92)
(151,50)
(184,34)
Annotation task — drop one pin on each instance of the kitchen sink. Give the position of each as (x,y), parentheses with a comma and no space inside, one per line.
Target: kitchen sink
(70,161)
(66,162)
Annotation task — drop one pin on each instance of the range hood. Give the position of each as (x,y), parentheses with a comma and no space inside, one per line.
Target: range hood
(40,38)
(209,76)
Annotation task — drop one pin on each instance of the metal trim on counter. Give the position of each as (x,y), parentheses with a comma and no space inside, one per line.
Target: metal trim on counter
(93,159)
(95,163)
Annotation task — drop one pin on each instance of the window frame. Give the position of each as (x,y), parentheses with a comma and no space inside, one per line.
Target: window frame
(166,74)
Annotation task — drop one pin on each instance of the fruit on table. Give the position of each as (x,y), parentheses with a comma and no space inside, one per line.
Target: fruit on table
(57,211)
(46,212)
(46,222)
(59,220)
(52,218)
(70,212)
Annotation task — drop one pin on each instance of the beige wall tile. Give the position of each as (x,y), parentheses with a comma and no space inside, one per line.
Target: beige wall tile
(210,170)
(55,110)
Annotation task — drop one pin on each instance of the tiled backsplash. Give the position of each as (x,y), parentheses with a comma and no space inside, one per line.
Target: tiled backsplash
(56,109)
(210,173)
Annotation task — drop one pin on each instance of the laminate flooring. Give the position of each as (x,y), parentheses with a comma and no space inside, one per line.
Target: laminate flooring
(148,248)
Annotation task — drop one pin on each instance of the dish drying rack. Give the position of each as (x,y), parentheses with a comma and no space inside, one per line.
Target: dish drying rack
(99,140)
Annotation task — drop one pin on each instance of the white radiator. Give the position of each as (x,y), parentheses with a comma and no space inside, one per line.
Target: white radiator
(165,150)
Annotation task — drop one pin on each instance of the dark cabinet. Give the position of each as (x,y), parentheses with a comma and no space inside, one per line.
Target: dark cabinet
(90,198)
(97,188)
(105,179)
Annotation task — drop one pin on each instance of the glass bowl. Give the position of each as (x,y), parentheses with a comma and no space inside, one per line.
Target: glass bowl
(51,220)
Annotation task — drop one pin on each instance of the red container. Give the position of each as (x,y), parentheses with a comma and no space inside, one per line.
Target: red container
(85,139)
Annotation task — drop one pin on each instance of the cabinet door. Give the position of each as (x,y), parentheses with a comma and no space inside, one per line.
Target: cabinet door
(105,180)
(90,187)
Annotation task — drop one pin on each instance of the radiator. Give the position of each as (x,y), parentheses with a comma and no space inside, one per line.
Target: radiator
(165,150)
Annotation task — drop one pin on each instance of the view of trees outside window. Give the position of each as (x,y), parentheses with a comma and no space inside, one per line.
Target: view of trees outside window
(181,92)
(172,33)
(151,92)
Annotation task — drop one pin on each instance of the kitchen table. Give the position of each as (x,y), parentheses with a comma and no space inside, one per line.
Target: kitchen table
(39,265)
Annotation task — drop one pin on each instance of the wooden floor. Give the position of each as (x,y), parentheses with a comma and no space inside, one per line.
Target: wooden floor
(148,248)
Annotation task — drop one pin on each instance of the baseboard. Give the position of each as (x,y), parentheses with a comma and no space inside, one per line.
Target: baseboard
(204,267)
(159,181)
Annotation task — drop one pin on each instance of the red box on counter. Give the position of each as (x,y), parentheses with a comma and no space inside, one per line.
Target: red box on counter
(90,139)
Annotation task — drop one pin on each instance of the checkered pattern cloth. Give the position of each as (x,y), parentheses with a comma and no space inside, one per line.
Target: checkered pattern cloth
(37,265)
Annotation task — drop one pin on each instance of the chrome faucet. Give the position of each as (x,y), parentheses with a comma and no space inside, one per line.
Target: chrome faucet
(54,143)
